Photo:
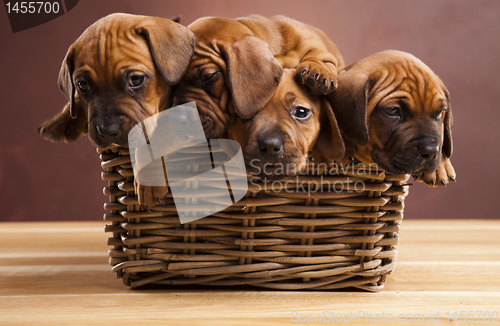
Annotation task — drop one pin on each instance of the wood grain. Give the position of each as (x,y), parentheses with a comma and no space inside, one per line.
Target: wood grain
(443,266)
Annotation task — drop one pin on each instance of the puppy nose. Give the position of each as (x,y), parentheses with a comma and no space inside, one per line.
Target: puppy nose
(271,145)
(428,149)
(108,130)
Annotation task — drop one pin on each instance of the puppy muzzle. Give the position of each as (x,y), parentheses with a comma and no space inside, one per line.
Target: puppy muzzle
(418,156)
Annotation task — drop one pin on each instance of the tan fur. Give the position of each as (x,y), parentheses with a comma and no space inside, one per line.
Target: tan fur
(225,49)
(237,65)
(105,56)
(238,62)
(418,141)
(318,133)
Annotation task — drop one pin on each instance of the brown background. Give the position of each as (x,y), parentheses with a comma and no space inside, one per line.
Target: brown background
(458,39)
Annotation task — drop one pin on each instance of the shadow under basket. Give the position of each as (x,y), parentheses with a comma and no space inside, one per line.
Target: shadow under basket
(322,231)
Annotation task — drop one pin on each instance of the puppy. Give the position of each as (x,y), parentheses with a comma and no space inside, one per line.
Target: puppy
(117,73)
(395,112)
(276,141)
(237,65)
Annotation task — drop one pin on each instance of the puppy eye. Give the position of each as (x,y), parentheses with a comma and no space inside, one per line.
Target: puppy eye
(208,77)
(440,115)
(393,112)
(301,113)
(136,80)
(83,86)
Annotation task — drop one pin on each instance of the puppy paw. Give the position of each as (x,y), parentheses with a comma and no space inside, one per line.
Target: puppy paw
(444,174)
(149,196)
(317,77)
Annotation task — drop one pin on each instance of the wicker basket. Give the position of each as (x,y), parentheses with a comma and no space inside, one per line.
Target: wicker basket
(290,239)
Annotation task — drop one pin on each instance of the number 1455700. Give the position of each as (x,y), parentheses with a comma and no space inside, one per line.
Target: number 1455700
(33,7)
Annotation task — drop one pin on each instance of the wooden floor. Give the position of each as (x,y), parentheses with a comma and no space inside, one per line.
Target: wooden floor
(58,274)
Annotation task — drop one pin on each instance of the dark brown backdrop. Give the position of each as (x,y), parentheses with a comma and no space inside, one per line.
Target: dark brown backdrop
(458,39)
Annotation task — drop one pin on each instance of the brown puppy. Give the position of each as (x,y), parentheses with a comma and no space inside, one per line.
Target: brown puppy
(277,140)
(237,65)
(117,73)
(395,112)
(238,62)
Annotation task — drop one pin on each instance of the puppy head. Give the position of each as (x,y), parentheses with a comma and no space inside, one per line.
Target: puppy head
(395,112)
(277,140)
(232,73)
(117,73)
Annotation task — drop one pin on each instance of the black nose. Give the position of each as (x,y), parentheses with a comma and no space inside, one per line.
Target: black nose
(428,149)
(271,145)
(108,130)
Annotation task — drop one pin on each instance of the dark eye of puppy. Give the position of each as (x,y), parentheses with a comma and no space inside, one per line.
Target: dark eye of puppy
(207,78)
(83,86)
(301,113)
(136,81)
(439,115)
(394,111)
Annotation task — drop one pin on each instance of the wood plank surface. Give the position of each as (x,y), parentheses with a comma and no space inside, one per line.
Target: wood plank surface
(57,273)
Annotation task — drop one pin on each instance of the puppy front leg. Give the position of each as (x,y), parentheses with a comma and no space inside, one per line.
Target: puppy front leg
(444,174)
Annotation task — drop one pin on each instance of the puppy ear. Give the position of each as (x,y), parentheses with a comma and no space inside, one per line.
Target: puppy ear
(349,103)
(63,128)
(448,124)
(65,80)
(171,45)
(254,74)
(330,143)
(71,123)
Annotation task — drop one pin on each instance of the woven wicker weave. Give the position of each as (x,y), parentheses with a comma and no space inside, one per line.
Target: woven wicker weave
(290,239)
